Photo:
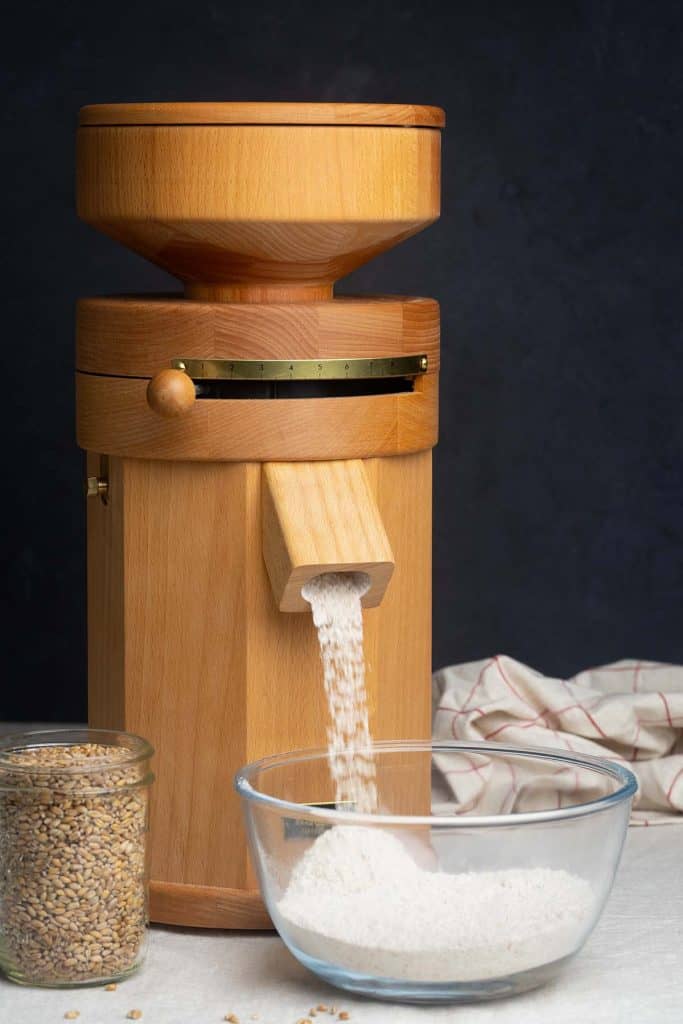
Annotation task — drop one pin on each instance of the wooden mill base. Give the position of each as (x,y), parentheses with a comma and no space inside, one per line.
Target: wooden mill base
(188,648)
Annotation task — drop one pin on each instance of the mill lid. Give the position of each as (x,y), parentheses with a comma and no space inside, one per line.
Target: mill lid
(404,115)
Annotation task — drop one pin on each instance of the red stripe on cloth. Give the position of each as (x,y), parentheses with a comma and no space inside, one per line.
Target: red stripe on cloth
(469,696)
(634,755)
(666,708)
(513,786)
(581,707)
(507,681)
(671,787)
(468,711)
(654,667)
(560,771)
(519,723)
(673,722)
(466,771)
(560,736)
(509,685)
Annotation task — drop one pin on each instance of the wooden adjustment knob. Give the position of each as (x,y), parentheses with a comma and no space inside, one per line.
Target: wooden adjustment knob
(171,393)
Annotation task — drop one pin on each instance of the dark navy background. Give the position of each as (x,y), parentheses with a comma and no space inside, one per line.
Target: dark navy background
(557,262)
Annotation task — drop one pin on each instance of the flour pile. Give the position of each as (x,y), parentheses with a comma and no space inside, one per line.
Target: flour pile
(357,899)
(337,614)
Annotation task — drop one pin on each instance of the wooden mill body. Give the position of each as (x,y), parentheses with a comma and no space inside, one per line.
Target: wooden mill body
(212,511)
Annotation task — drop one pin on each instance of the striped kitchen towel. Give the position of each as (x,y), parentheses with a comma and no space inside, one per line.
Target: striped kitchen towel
(631,711)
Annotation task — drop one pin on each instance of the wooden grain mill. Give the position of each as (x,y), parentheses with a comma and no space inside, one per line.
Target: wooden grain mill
(247,436)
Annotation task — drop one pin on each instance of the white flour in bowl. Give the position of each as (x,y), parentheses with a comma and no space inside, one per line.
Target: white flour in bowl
(357,899)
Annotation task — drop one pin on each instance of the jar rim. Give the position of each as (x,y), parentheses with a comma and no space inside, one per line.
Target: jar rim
(139,750)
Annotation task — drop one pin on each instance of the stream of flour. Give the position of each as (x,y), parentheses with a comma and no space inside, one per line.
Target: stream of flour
(335,600)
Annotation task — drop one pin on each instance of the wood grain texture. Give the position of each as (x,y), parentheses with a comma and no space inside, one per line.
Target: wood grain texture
(264,292)
(215,675)
(187,563)
(113,417)
(406,114)
(402,643)
(321,517)
(403,490)
(140,335)
(261,212)
(105,568)
(207,906)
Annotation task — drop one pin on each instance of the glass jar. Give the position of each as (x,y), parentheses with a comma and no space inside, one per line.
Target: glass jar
(73,862)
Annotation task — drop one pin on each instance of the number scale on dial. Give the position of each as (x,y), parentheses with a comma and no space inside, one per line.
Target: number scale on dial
(302,369)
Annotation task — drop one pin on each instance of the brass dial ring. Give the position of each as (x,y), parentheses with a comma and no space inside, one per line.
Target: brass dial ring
(302,369)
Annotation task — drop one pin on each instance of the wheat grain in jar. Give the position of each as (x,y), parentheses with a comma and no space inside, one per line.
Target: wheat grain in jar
(73,872)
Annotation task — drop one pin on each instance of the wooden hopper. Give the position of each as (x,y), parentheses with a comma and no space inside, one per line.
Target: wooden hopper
(257,202)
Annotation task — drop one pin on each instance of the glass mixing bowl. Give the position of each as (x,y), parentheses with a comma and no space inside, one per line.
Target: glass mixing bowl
(482,873)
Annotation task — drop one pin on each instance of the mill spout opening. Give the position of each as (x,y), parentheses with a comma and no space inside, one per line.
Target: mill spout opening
(360,581)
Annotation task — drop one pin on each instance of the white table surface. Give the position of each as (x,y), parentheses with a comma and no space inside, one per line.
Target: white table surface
(630,971)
